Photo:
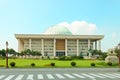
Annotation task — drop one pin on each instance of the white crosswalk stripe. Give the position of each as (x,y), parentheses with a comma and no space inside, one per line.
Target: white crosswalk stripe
(78,75)
(55,76)
(2,76)
(19,77)
(87,75)
(68,75)
(60,76)
(105,75)
(30,77)
(50,76)
(40,76)
(118,76)
(95,75)
(9,77)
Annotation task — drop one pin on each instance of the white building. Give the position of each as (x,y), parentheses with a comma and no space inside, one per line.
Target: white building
(58,41)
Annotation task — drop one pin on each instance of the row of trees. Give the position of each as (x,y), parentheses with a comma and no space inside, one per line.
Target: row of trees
(29,52)
(10,51)
(23,53)
(100,54)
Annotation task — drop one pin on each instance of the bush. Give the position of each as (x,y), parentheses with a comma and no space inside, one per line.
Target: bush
(109,63)
(80,57)
(61,58)
(52,64)
(12,64)
(32,64)
(73,63)
(48,57)
(65,58)
(92,64)
(68,58)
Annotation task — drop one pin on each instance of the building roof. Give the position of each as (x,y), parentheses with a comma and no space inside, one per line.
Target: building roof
(42,36)
(58,30)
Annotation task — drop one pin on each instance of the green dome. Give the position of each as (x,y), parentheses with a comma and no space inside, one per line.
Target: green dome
(58,30)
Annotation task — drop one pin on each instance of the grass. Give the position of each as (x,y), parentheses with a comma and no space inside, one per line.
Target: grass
(25,63)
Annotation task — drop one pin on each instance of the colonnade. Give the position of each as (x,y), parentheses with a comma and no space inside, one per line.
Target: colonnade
(96,45)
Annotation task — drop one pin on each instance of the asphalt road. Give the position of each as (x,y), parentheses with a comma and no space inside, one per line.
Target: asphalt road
(60,74)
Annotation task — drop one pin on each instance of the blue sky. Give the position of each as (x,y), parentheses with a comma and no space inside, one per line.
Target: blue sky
(35,16)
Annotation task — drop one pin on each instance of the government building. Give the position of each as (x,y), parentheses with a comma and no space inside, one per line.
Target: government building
(59,41)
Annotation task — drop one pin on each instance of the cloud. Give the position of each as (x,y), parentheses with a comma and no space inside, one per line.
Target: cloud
(113,35)
(80,27)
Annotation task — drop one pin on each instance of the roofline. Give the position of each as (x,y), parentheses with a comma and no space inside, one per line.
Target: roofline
(47,36)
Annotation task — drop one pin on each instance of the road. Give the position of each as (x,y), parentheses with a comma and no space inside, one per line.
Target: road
(60,74)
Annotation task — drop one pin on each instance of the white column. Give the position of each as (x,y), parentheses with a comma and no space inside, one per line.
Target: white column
(99,44)
(66,47)
(54,47)
(20,45)
(88,44)
(42,40)
(30,44)
(77,47)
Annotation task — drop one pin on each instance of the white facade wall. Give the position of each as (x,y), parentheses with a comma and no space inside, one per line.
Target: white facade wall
(46,44)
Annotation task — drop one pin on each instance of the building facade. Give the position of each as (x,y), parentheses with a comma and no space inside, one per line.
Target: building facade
(59,41)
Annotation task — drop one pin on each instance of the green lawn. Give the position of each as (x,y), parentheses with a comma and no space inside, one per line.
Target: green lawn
(45,63)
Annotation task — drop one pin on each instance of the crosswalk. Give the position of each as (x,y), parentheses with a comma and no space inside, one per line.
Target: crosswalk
(60,76)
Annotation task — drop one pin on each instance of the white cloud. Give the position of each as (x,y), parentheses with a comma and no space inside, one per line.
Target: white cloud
(113,35)
(80,27)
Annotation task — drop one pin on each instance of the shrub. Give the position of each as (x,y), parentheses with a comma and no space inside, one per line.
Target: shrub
(32,64)
(68,58)
(92,64)
(52,64)
(80,57)
(61,58)
(73,63)
(42,57)
(65,58)
(48,57)
(109,63)
(12,64)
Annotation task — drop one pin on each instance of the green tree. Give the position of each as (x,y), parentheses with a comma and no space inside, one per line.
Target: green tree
(11,51)
(3,52)
(96,52)
(104,55)
(30,52)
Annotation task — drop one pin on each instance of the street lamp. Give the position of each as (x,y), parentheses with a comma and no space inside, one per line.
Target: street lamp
(6,54)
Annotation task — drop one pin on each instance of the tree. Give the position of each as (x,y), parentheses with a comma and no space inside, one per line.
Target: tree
(30,52)
(96,52)
(3,52)
(99,53)
(11,51)
(104,55)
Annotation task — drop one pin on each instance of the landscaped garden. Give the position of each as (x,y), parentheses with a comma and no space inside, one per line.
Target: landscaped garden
(33,59)
(38,63)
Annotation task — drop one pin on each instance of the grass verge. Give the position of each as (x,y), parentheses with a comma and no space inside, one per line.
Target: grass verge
(26,63)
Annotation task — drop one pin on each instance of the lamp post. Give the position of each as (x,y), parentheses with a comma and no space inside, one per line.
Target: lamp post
(6,54)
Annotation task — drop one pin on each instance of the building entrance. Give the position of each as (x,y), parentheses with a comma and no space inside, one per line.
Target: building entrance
(60,54)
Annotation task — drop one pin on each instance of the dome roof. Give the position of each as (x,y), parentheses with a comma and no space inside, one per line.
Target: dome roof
(58,30)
